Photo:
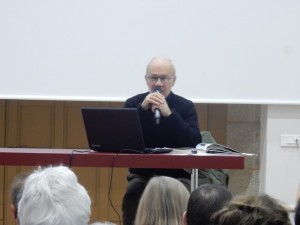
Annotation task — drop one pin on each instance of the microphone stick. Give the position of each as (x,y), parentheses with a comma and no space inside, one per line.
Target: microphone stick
(157,115)
(157,111)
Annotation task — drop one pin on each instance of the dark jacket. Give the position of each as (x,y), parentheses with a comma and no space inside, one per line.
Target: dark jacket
(178,130)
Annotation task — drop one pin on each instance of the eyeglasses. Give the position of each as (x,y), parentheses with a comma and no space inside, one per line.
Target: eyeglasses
(163,79)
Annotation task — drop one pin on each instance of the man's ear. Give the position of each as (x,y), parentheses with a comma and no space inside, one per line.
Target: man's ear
(184,218)
(174,81)
(14,211)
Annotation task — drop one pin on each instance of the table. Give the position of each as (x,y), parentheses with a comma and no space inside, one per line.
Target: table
(88,158)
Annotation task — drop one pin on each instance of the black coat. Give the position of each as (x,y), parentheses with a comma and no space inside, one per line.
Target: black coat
(178,130)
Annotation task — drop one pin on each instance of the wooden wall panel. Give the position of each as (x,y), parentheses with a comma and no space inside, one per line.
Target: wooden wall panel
(217,122)
(202,110)
(2,205)
(74,135)
(2,144)
(10,172)
(30,124)
(89,178)
(118,187)
(58,124)
(2,122)
(112,188)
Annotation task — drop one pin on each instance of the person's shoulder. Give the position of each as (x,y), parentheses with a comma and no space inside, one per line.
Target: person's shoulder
(180,98)
(138,96)
(134,101)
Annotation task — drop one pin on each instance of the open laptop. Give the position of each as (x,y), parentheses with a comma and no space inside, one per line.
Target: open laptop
(115,130)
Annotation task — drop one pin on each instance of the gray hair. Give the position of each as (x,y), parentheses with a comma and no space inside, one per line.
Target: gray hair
(53,196)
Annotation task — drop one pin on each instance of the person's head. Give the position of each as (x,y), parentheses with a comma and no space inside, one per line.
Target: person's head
(204,201)
(163,202)
(160,67)
(102,223)
(53,196)
(252,210)
(297,213)
(16,191)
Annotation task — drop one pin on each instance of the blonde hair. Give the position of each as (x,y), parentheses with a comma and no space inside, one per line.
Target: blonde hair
(163,202)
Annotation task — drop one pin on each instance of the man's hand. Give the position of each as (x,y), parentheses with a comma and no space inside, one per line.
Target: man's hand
(156,100)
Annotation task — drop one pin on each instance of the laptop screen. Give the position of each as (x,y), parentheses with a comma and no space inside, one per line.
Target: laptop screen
(113,129)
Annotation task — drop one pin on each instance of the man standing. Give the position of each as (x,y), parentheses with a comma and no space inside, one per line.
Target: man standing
(167,120)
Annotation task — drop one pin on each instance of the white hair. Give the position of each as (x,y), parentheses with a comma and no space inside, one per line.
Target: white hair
(53,196)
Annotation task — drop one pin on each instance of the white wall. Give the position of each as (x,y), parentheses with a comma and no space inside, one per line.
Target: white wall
(98,50)
(280,166)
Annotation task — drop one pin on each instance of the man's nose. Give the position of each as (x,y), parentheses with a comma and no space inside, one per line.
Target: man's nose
(158,82)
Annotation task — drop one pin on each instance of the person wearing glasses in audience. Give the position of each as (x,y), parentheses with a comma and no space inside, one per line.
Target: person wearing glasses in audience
(176,127)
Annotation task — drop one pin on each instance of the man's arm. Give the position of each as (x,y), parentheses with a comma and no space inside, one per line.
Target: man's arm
(184,127)
(179,129)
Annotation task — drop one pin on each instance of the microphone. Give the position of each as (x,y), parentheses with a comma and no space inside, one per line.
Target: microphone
(157,111)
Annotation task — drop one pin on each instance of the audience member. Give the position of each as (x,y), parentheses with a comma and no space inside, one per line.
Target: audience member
(16,191)
(203,202)
(163,202)
(53,196)
(252,210)
(102,223)
(297,213)
(177,127)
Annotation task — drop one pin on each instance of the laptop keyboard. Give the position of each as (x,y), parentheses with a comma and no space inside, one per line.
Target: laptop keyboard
(157,150)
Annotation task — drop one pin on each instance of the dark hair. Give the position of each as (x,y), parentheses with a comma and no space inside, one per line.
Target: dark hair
(204,201)
(297,213)
(16,189)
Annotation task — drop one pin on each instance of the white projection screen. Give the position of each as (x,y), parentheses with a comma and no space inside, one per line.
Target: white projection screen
(229,51)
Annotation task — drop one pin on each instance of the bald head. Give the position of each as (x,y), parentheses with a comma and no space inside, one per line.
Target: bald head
(162,68)
(161,63)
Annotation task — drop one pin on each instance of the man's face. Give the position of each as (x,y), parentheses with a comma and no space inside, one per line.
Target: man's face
(160,74)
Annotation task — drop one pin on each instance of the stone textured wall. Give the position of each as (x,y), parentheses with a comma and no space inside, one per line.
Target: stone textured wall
(243,134)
